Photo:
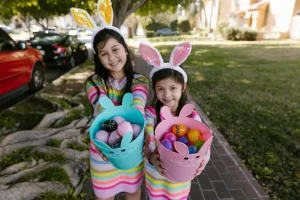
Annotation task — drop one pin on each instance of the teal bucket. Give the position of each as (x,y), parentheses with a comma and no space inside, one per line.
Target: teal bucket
(129,155)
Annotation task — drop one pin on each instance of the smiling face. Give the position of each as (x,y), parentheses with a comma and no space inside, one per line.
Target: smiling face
(169,92)
(113,56)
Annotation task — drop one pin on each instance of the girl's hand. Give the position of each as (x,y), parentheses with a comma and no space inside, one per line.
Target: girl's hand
(101,154)
(146,145)
(203,163)
(154,159)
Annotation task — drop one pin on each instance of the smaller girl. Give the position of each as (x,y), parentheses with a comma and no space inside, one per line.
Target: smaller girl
(169,82)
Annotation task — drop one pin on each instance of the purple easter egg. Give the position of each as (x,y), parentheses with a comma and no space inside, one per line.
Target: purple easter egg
(114,137)
(167,143)
(170,136)
(119,119)
(192,149)
(102,136)
(183,139)
(124,128)
(136,130)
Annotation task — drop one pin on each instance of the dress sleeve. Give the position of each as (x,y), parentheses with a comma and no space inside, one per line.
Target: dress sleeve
(195,116)
(140,90)
(95,88)
(149,129)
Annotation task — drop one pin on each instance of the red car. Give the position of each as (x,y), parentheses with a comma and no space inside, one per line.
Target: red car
(21,67)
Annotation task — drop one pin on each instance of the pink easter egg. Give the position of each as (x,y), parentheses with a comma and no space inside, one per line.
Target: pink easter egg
(102,136)
(124,128)
(136,130)
(170,136)
(114,137)
(119,119)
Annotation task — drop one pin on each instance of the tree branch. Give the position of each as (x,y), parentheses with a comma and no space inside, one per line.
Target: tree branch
(132,8)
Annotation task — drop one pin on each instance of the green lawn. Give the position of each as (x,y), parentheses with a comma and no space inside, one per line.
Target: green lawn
(251,92)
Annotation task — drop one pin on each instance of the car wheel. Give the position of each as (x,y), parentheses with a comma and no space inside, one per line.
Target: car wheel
(71,64)
(37,78)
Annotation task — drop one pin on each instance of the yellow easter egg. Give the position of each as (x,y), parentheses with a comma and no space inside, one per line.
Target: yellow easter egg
(194,136)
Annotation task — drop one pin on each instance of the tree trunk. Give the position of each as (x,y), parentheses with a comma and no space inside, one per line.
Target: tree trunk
(123,8)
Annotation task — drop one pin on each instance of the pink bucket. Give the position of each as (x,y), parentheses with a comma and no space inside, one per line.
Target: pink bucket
(181,166)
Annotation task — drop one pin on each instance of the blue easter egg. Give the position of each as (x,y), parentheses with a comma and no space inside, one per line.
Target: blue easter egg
(192,149)
(183,139)
(167,143)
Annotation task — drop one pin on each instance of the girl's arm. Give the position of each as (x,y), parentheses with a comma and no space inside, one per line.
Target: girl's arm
(196,116)
(140,90)
(95,88)
(149,129)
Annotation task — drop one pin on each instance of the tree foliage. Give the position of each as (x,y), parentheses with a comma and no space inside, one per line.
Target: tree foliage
(153,7)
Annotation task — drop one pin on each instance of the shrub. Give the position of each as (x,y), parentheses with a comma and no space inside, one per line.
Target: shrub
(150,34)
(236,34)
(184,26)
(154,26)
(174,24)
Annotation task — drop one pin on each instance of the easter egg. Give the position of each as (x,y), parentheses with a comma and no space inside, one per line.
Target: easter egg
(167,143)
(194,136)
(170,136)
(102,136)
(118,119)
(199,144)
(136,130)
(114,137)
(179,130)
(124,128)
(192,149)
(183,139)
(109,125)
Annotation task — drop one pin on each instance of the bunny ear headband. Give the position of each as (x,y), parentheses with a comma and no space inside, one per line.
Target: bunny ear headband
(106,15)
(178,56)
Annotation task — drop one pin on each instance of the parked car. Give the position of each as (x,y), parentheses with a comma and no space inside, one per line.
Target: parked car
(22,67)
(60,49)
(166,32)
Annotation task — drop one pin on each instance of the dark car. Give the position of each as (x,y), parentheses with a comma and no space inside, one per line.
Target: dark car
(60,49)
(166,32)
(21,67)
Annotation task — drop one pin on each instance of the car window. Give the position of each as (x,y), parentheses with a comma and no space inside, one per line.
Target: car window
(6,43)
(48,38)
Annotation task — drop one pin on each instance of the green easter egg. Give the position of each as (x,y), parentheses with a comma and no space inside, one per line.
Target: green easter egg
(199,144)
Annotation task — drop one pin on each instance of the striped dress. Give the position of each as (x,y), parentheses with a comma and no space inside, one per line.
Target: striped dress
(107,180)
(158,187)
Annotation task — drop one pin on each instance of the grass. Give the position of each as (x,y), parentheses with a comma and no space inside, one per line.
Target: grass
(26,154)
(251,93)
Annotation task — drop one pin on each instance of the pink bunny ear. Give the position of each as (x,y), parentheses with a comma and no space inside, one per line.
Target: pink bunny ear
(165,112)
(150,55)
(180,53)
(181,148)
(186,110)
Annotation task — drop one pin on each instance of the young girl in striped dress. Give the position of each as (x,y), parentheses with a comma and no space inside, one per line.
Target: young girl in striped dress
(169,84)
(114,76)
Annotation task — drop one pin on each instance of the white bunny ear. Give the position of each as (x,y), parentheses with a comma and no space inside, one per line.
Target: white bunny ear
(180,53)
(83,19)
(151,55)
(105,12)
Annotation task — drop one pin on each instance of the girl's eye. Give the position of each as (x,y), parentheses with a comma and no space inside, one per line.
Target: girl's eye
(102,55)
(115,50)
(173,88)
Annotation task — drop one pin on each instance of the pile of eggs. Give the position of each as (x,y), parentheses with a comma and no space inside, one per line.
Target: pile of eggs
(180,133)
(112,131)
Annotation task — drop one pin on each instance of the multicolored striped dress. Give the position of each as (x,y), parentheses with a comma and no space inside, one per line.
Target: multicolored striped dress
(159,187)
(107,180)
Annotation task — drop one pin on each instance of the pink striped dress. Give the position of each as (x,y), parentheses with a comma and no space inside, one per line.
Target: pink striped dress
(158,187)
(107,180)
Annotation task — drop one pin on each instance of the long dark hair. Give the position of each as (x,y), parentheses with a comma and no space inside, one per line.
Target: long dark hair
(102,37)
(175,76)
